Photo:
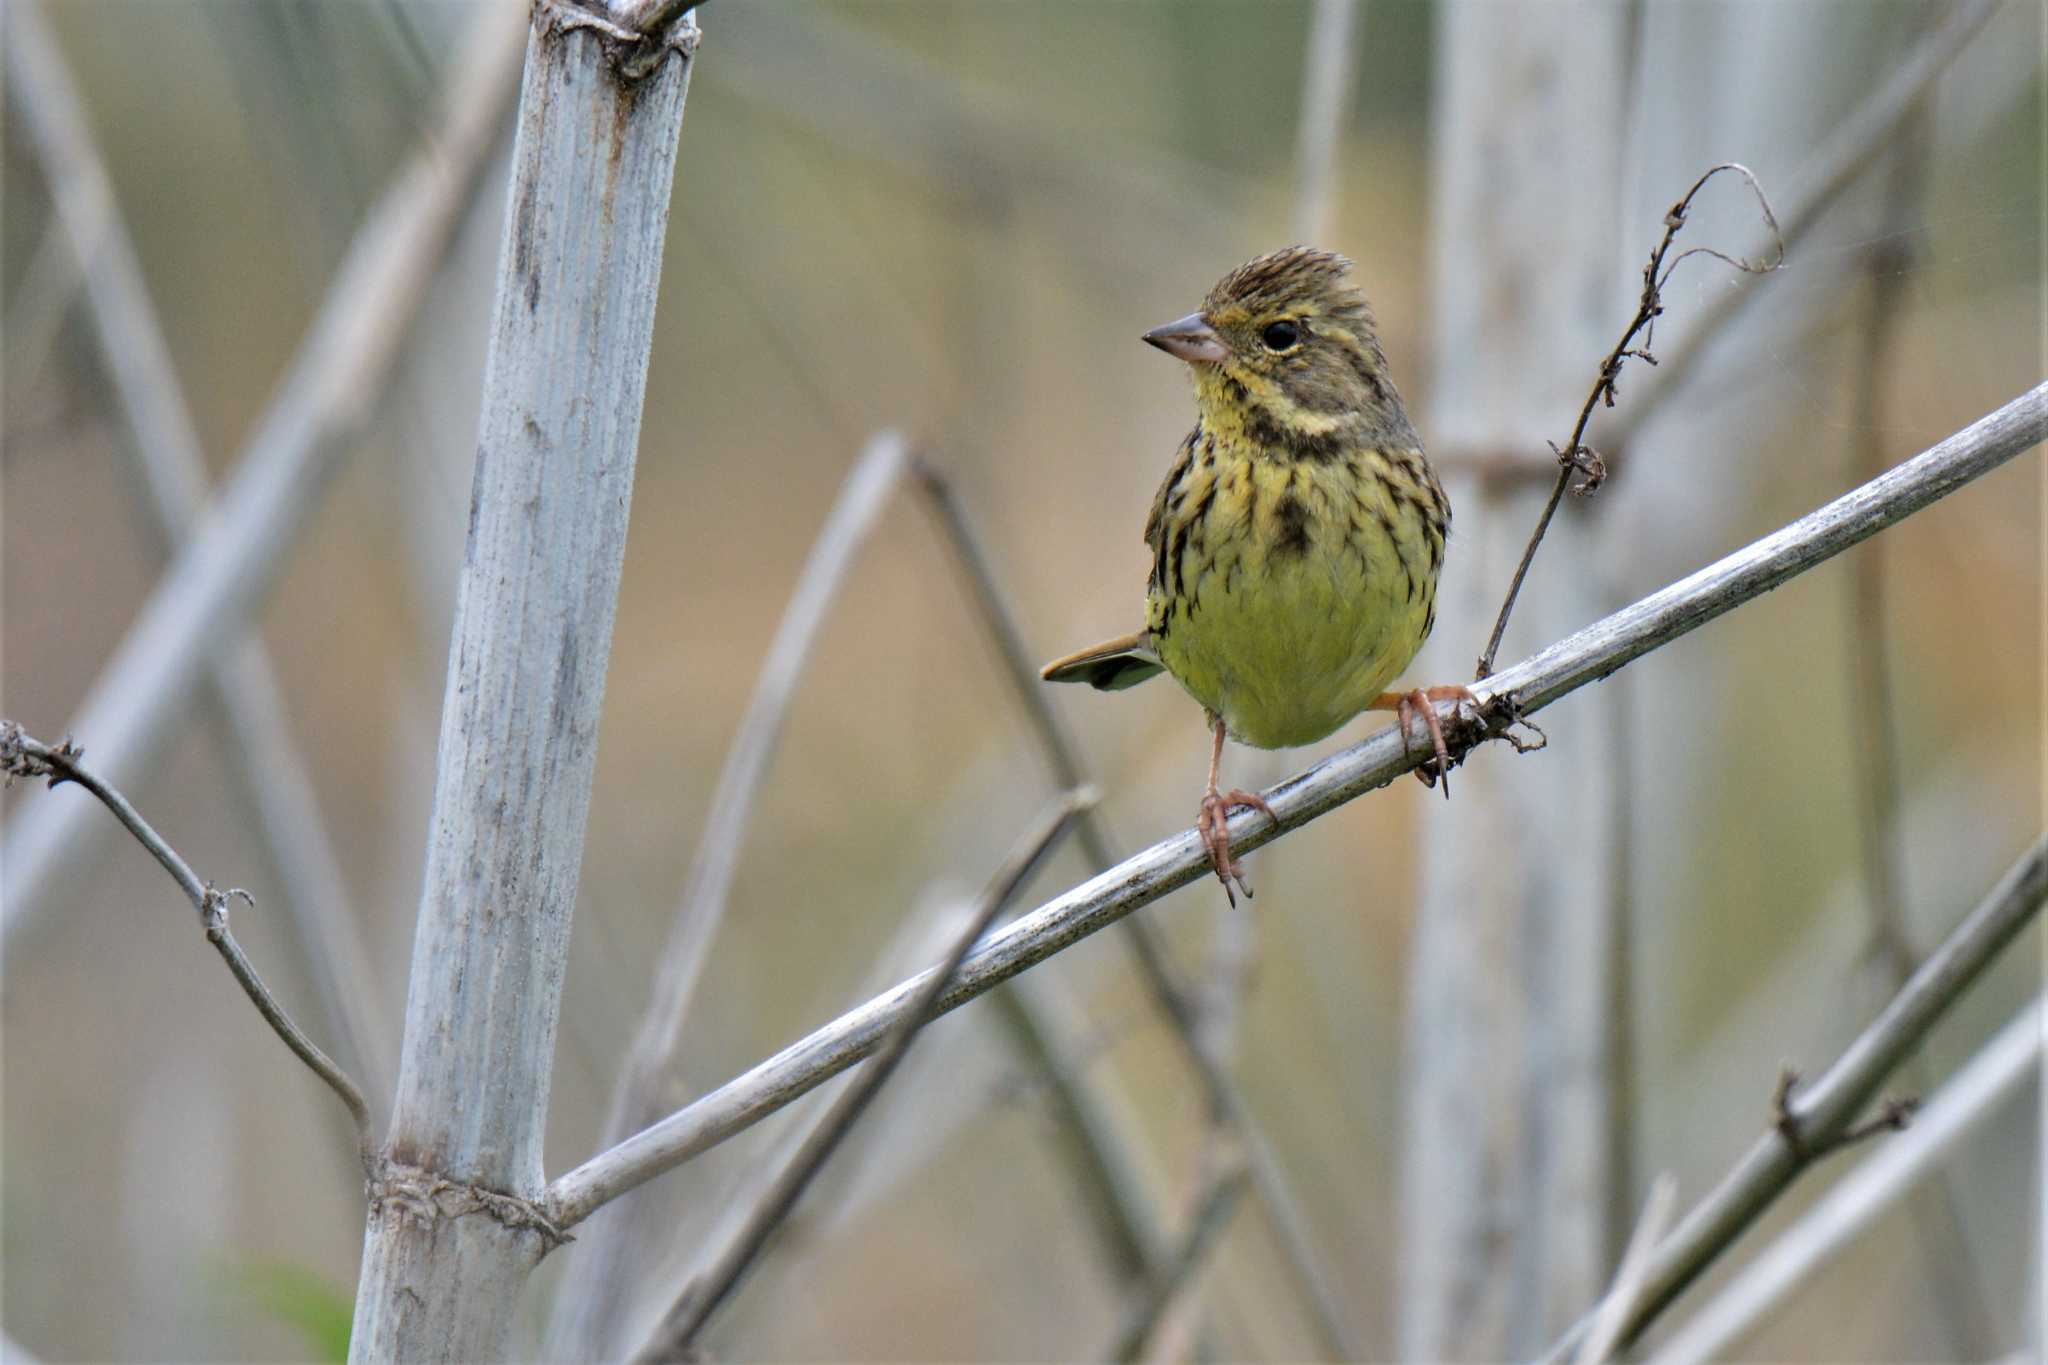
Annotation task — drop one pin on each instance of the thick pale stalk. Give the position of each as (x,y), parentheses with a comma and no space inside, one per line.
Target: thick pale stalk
(1507,1161)
(451,1236)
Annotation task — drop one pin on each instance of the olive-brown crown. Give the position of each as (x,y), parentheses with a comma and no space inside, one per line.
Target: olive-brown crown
(1303,338)
(1292,279)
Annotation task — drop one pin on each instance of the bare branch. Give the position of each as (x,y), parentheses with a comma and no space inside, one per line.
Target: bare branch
(675,1338)
(1173,997)
(1973,1095)
(1588,656)
(1820,1116)
(325,399)
(24,756)
(1575,457)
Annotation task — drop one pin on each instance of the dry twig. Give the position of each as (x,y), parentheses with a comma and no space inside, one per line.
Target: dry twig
(1855,144)
(24,756)
(1576,457)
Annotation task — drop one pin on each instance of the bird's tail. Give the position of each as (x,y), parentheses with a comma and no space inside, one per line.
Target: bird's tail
(1110,666)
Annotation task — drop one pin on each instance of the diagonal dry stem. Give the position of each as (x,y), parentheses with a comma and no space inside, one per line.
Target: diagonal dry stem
(1816,1119)
(675,1338)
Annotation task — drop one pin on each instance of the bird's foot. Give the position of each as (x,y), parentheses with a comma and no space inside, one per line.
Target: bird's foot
(1421,703)
(1213,825)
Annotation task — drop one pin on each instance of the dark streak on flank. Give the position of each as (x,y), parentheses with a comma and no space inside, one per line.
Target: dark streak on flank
(1177,545)
(1291,539)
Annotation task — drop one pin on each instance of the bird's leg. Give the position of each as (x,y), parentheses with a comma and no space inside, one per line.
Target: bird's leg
(1422,702)
(1213,822)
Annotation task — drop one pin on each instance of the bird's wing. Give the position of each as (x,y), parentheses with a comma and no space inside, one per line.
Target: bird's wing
(1110,666)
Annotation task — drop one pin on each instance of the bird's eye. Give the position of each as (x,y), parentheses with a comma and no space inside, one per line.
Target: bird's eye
(1280,336)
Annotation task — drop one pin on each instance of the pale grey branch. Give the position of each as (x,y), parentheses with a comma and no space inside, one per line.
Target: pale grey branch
(1628,1277)
(1973,1095)
(1586,657)
(1822,1113)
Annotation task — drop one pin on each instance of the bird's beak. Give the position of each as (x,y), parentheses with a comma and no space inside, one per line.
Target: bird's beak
(1190,339)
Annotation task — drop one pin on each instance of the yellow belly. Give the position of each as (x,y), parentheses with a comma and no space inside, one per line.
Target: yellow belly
(1303,595)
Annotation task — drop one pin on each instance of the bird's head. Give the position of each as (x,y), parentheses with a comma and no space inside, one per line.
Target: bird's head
(1283,342)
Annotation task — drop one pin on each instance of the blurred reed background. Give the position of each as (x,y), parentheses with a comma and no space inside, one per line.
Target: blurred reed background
(956,218)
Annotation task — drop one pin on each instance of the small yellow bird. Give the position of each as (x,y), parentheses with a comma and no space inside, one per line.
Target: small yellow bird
(1298,537)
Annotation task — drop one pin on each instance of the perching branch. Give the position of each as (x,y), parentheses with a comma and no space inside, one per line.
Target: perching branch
(1820,1115)
(1586,657)
(1975,1093)
(1576,457)
(24,756)
(675,1338)
(1173,997)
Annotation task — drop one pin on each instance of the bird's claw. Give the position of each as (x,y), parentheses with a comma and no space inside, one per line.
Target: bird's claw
(1421,703)
(1212,823)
